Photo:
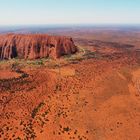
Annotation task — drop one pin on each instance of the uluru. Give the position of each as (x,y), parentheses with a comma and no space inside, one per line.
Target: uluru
(33,46)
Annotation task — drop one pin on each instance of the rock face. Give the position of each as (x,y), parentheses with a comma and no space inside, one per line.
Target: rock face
(33,46)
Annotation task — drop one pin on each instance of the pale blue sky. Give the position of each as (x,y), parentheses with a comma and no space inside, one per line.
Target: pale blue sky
(14,12)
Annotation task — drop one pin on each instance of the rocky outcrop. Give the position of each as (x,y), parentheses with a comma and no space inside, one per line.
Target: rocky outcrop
(33,46)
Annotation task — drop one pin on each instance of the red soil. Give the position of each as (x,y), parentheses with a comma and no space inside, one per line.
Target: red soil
(93,100)
(6,74)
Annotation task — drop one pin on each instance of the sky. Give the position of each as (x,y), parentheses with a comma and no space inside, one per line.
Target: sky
(41,12)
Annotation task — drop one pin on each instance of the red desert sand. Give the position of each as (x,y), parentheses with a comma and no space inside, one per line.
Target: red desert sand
(93,94)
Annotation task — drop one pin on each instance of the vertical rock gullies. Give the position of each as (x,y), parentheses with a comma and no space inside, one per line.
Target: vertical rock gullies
(33,46)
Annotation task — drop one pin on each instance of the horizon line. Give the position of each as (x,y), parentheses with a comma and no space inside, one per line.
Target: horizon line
(72,24)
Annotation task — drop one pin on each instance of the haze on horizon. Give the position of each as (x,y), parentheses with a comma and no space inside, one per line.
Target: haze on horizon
(41,12)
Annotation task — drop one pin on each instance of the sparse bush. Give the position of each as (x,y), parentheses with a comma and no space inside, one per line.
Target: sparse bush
(35,110)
